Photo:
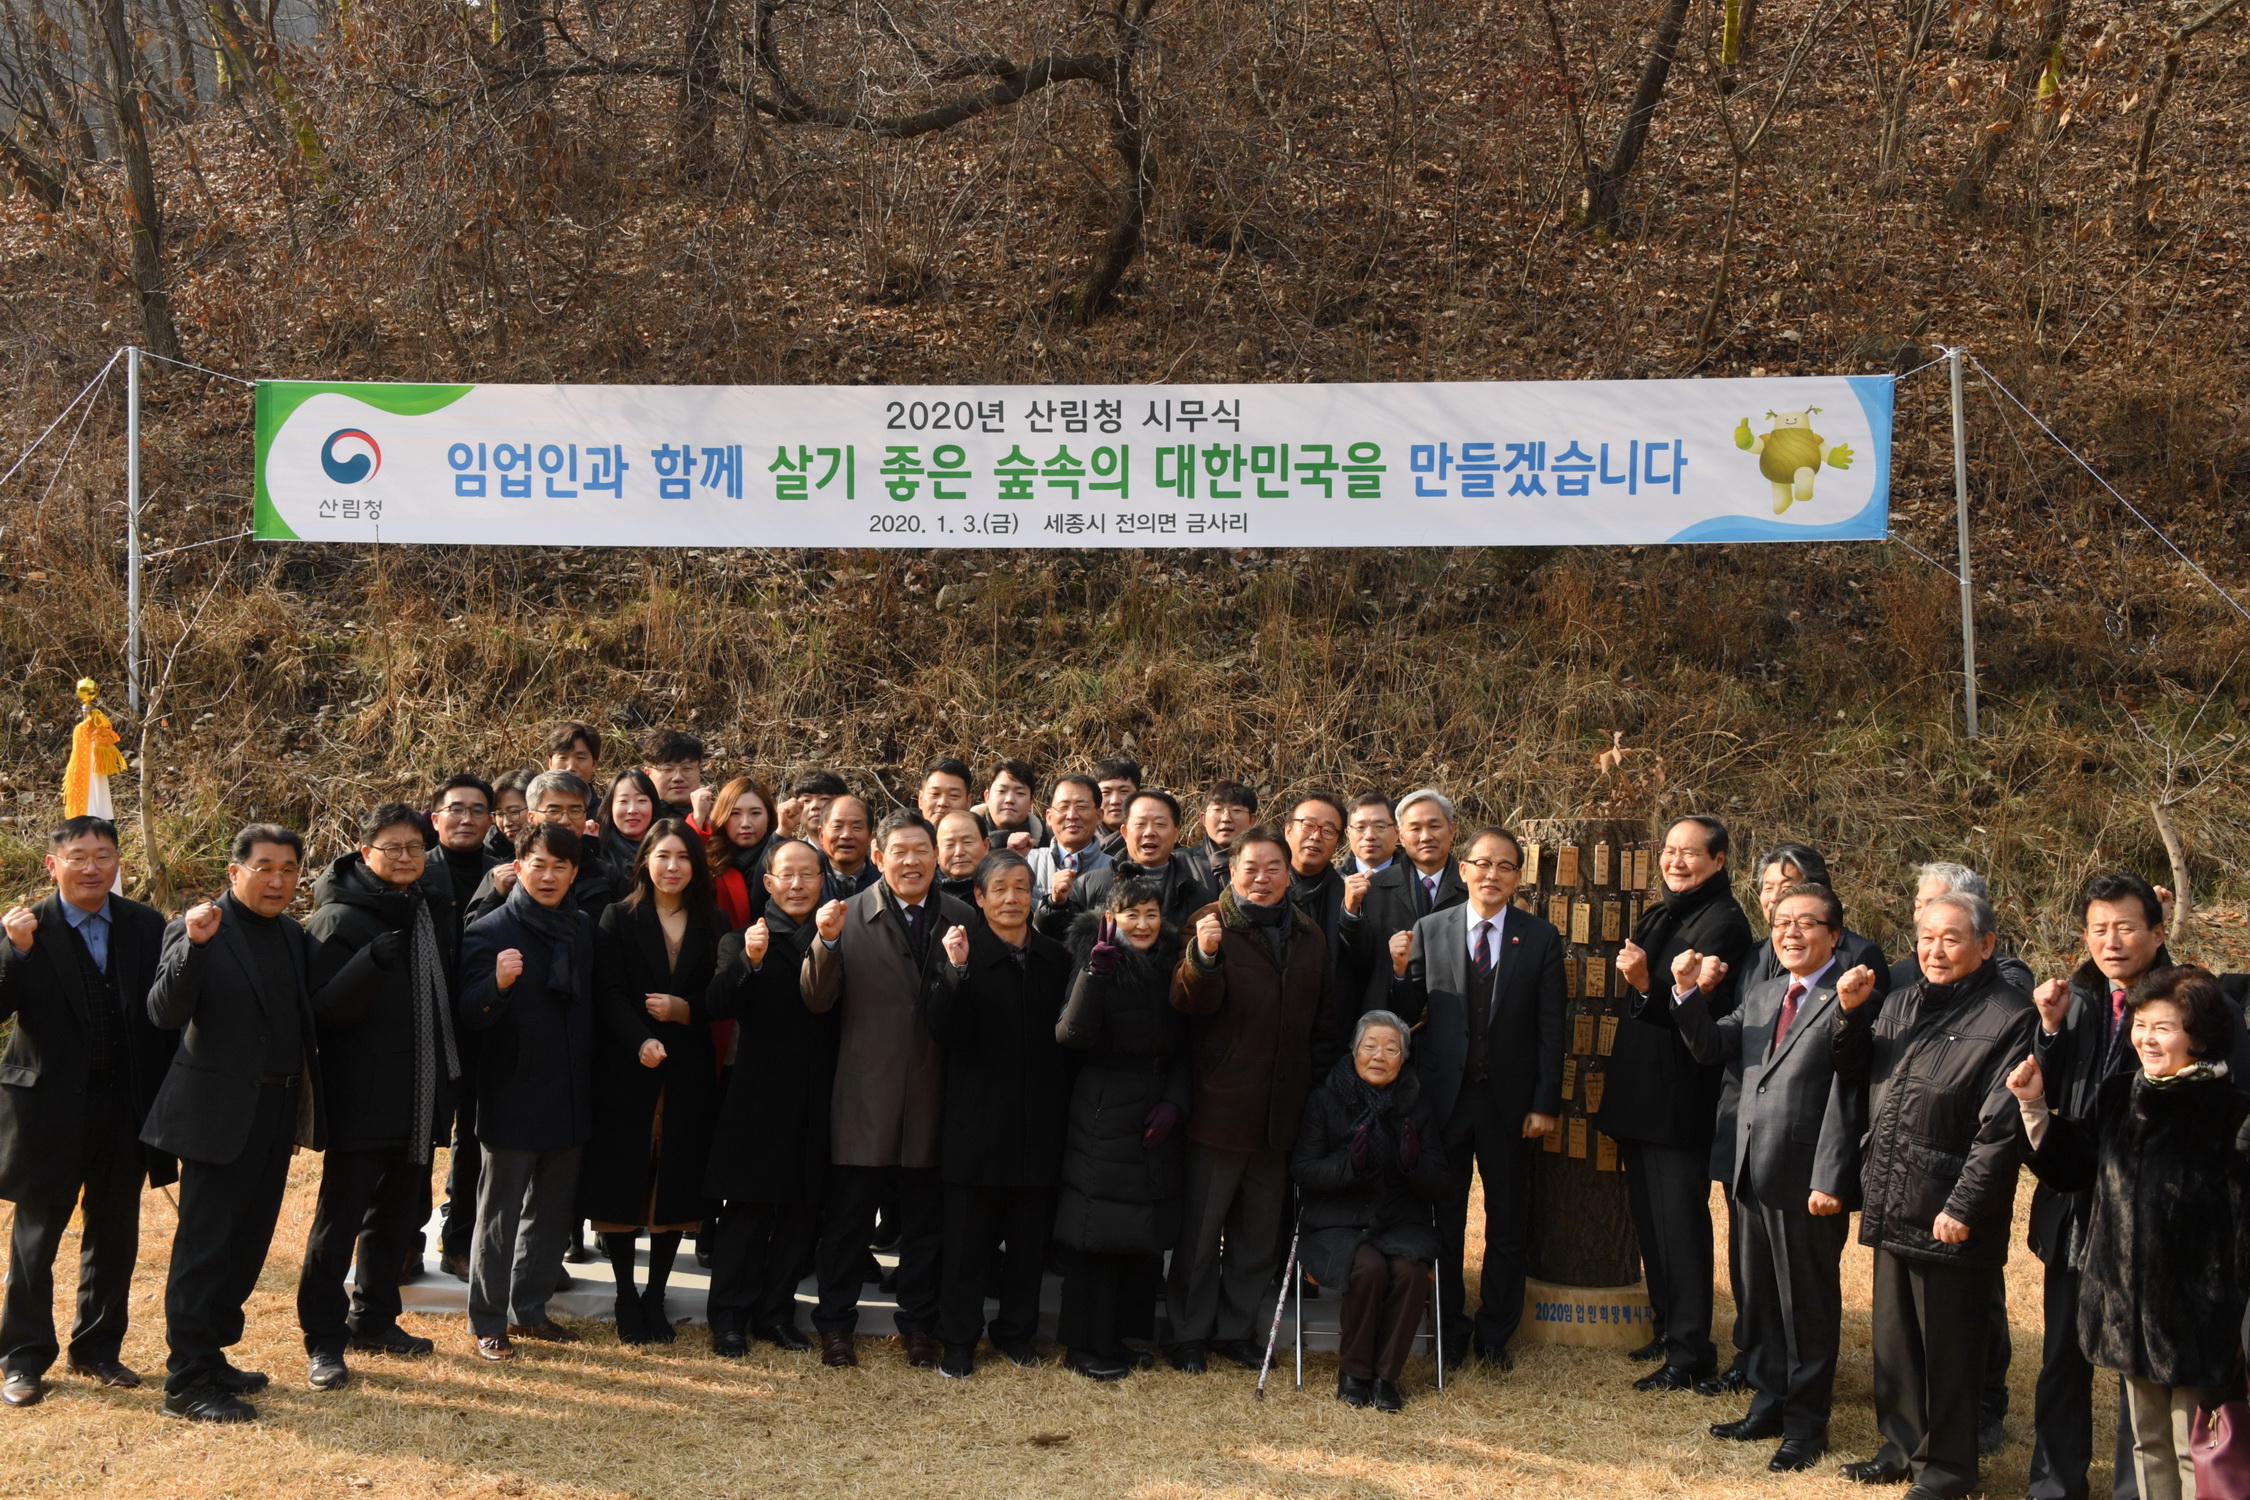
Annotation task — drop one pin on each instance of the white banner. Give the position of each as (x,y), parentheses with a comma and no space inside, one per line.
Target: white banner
(1534,463)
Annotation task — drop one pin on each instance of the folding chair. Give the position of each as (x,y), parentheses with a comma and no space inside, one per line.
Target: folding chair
(1296,1284)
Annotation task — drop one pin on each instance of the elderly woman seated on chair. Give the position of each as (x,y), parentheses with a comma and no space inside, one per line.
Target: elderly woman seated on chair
(1369,1168)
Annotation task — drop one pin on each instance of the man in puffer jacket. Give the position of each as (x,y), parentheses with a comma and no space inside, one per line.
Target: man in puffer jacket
(1938,1177)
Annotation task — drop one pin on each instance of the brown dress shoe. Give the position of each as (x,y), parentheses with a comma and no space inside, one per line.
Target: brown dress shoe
(836,1351)
(495,1349)
(547,1330)
(923,1351)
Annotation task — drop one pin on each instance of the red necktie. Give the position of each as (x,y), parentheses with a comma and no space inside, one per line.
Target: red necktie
(1788,1011)
(2116,1012)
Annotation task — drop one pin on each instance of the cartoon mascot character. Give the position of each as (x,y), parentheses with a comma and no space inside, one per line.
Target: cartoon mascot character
(1791,454)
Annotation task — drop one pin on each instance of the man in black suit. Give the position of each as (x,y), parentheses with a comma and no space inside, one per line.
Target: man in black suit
(1483,982)
(1151,850)
(461,811)
(242,1093)
(390,1071)
(1370,835)
(1315,830)
(1381,904)
(82,1065)
(556,797)
(1795,1150)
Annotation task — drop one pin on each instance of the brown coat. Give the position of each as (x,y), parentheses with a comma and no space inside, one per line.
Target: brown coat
(1262,1029)
(889,1098)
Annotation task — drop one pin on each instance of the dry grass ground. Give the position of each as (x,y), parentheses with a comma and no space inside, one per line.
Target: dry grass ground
(603,1419)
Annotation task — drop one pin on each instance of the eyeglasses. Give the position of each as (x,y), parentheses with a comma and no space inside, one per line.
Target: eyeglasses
(1316,825)
(1371,825)
(398,851)
(464,810)
(1798,924)
(1488,866)
(101,861)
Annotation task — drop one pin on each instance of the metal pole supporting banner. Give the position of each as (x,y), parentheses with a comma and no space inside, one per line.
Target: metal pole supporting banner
(133,527)
(1953,360)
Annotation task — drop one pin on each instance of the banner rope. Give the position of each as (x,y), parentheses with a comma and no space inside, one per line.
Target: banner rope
(206,369)
(2134,510)
(99,376)
(1918,552)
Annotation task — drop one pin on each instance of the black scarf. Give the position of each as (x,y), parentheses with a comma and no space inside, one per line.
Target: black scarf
(749,858)
(1310,893)
(1677,909)
(557,925)
(1937,996)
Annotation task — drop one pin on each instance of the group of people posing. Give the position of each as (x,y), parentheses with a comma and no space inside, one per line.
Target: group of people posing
(1001,1038)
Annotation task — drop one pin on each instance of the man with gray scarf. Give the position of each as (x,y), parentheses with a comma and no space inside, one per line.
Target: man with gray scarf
(390,1072)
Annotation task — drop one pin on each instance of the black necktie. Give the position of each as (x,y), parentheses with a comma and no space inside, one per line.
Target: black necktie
(1482,955)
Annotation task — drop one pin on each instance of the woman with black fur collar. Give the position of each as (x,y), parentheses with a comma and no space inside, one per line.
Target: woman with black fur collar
(1119,1207)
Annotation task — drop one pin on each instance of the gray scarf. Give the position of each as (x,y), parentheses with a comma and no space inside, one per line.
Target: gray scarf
(433,1028)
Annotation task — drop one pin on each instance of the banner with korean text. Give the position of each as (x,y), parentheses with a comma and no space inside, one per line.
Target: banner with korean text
(1532,463)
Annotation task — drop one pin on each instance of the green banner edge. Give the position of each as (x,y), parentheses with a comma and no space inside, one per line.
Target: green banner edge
(276,399)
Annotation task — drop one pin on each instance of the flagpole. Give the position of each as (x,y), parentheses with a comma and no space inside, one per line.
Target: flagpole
(1961,534)
(133,528)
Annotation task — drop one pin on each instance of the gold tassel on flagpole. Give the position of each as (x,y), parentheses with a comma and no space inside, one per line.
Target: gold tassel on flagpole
(93,752)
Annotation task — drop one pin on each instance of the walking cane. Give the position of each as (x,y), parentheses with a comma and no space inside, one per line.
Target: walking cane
(1288,1284)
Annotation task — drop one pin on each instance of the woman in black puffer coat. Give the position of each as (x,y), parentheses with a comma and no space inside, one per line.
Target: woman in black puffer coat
(1368,1169)
(2166,1274)
(1118,1207)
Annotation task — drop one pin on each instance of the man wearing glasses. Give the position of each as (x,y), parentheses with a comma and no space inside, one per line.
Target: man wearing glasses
(1483,983)
(1315,830)
(82,1065)
(242,1094)
(1381,904)
(391,1063)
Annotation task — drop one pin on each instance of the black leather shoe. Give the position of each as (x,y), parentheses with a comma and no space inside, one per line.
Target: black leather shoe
(1095,1366)
(1874,1471)
(394,1341)
(1353,1391)
(1241,1351)
(23,1390)
(632,1327)
(1190,1358)
(1992,1436)
(836,1351)
(1648,1353)
(1796,1454)
(923,1351)
(107,1372)
(455,1263)
(1733,1380)
(326,1371)
(1747,1430)
(1022,1353)
(785,1336)
(1502,1358)
(958,1362)
(241,1382)
(1388,1397)
(1666,1378)
(207,1403)
(728,1343)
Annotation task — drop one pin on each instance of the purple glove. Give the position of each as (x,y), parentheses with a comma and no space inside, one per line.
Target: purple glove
(1158,1126)
(1409,1145)
(1102,962)
(1362,1151)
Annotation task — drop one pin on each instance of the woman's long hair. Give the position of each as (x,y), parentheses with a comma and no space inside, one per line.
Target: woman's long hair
(614,839)
(700,895)
(723,847)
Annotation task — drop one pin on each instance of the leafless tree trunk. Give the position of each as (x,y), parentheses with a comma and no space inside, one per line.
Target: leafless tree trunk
(1605,191)
(2175,51)
(1128,138)
(700,81)
(1967,193)
(144,216)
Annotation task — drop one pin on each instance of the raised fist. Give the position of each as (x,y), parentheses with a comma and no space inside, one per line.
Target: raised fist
(1632,965)
(2027,1082)
(1710,973)
(23,925)
(1207,931)
(1402,951)
(755,939)
(1355,890)
(507,968)
(1853,989)
(1058,894)
(202,922)
(2053,999)
(829,920)
(1019,842)
(956,941)
(788,814)
(383,948)
(700,802)
(1686,966)
(503,878)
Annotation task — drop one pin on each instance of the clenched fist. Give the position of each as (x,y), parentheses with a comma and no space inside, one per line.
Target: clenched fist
(1019,842)
(788,816)
(1632,965)
(1853,989)
(2053,1000)
(1355,890)
(755,939)
(829,920)
(956,941)
(652,1053)
(202,922)
(503,878)
(23,925)
(507,968)
(1058,894)
(2028,1082)
(700,803)
(1207,931)
(1402,951)
(1698,971)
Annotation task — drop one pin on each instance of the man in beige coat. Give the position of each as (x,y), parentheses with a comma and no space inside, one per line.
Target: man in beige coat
(874,954)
